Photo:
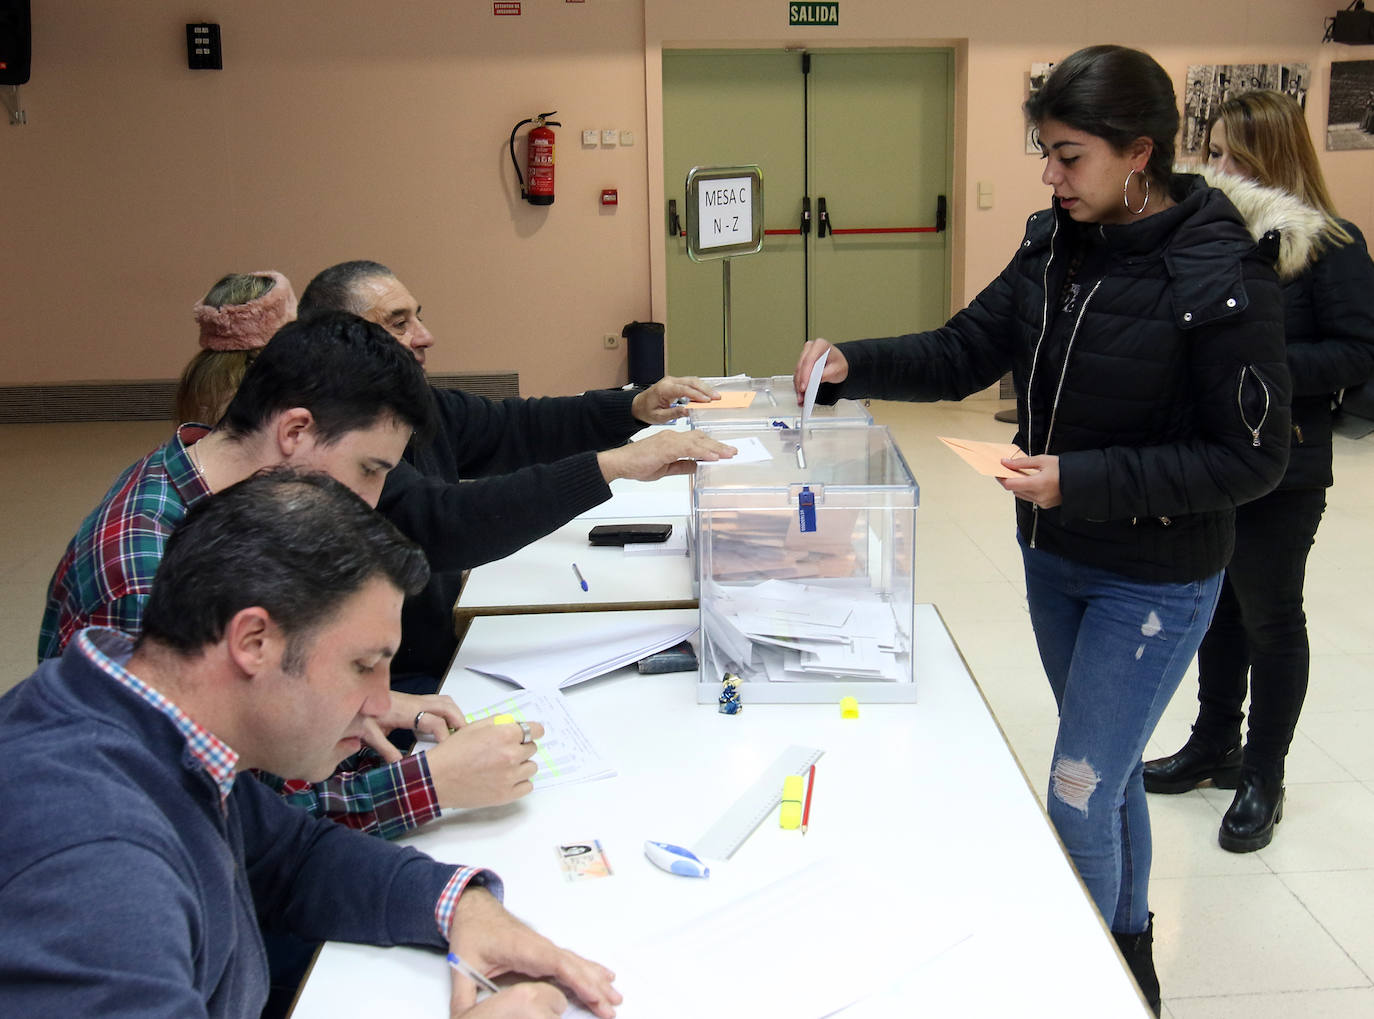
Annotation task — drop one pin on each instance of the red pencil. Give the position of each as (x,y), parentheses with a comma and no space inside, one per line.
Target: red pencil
(806,808)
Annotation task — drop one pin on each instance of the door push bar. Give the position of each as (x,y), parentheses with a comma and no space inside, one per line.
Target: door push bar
(941,216)
(823,226)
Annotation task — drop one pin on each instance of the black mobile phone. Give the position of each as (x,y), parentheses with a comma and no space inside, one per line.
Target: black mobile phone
(628,534)
(678,658)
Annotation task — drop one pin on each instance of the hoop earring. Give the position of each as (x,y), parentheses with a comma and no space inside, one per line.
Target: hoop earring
(1125,198)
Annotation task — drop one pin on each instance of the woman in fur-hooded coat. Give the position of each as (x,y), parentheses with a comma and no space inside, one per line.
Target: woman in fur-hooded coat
(1258,637)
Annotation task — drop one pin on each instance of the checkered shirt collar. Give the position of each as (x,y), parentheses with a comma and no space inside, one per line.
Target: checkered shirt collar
(181,470)
(109,650)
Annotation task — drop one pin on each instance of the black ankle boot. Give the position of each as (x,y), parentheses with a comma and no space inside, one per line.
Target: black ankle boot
(1192,766)
(1138,951)
(1249,823)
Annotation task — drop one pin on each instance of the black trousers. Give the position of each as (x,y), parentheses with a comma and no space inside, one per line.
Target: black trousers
(1259,632)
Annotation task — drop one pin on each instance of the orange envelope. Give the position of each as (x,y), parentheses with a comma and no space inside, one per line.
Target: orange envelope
(986,457)
(730,399)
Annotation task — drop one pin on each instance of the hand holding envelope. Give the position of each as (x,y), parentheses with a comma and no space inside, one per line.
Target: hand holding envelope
(1037,482)
(986,457)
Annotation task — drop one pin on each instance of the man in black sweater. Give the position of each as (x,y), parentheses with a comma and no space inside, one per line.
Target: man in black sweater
(538,463)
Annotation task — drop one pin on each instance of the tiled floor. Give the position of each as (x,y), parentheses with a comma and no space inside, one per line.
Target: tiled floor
(1285,932)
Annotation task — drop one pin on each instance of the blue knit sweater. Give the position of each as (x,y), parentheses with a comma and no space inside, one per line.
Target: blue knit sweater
(127,890)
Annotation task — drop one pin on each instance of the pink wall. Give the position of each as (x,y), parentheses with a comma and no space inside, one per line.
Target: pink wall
(343,129)
(338,129)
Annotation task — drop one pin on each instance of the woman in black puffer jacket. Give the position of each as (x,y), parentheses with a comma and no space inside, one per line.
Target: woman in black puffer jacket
(1143,330)
(1259,633)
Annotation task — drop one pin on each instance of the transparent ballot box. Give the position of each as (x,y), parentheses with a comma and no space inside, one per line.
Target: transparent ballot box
(772,402)
(804,559)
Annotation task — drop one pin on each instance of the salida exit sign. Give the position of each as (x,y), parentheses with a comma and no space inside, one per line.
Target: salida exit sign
(813,14)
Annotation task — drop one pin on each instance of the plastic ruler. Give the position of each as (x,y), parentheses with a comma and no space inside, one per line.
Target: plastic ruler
(757,802)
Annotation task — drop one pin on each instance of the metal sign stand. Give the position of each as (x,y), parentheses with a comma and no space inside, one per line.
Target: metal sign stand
(742,233)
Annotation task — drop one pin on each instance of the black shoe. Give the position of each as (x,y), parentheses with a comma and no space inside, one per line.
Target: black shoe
(1192,766)
(1138,951)
(1249,823)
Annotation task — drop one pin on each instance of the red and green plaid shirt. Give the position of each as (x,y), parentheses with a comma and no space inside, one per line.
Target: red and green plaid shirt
(107,571)
(104,579)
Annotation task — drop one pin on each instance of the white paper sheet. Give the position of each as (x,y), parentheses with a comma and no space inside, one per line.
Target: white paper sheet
(813,386)
(597,650)
(807,946)
(749,450)
(565,756)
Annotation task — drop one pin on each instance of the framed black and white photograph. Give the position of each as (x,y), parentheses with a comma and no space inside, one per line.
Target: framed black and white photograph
(1350,113)
(1038,74)
(1210,85)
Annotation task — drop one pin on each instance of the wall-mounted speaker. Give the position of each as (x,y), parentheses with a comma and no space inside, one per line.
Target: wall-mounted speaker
(1354,27)
(16,43)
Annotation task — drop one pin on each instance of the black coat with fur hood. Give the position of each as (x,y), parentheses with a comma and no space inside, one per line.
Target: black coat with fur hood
(1162,389)
(1328,316)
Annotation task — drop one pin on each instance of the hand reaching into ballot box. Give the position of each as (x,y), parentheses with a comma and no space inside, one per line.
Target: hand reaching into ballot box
(836,367)
(491,941)
(667,398)
(658,456)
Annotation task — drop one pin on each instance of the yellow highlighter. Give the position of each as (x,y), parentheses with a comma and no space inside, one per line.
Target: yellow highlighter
(503,720)
(791,814)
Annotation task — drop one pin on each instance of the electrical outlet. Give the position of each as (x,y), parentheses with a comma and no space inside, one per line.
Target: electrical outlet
(610,341)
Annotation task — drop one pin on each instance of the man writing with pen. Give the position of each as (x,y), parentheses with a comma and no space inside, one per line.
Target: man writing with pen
(136,869)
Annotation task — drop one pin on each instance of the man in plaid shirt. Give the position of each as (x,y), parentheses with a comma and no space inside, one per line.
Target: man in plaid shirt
(135,875)
(336,395)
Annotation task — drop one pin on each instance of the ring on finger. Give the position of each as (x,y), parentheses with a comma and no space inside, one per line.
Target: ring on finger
(527,736)
(419,715)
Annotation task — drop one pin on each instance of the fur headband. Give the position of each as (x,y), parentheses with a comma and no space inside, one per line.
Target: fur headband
(247,326)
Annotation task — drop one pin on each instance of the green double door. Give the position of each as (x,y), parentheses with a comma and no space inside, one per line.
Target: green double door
(868,134)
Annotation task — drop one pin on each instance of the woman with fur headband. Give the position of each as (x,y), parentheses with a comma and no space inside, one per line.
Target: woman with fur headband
(1259,631)
(237,318)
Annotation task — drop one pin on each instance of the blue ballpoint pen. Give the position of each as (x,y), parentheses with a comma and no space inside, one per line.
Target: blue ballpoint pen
(472,974)
(580,579)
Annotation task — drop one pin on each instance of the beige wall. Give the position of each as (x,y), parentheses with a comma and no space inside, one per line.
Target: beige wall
(343,129)
(338,129)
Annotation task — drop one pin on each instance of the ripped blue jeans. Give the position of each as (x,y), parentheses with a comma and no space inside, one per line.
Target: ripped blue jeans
(1115,650)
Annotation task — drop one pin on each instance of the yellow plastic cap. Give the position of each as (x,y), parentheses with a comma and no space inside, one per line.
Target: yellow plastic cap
(849,707)
(792,789)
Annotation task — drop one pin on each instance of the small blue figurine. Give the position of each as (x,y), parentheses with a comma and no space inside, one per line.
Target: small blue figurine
(729,701)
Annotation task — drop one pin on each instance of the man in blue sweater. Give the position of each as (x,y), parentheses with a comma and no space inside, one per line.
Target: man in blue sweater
(135,869)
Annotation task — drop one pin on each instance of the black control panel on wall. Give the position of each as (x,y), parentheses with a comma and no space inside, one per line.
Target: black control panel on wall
(16,44)
(203,51)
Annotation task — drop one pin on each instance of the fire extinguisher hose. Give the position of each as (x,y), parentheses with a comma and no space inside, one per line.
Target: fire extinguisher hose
(515,162)
(541,119)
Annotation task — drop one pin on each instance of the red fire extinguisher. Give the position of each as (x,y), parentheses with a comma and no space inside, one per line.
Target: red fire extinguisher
(539,159)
